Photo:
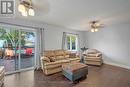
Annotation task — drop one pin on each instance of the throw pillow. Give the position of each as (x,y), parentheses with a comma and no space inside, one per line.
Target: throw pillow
(52,59)
(45,59)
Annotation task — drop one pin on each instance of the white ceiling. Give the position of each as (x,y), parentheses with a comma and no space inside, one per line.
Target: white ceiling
(76,14)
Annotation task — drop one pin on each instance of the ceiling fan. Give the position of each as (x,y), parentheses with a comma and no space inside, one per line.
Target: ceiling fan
(26,8)
(32,7)
(95,25)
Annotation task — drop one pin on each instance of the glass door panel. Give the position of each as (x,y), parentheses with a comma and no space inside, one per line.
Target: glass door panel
(17,49)
(9,42)
(27,53)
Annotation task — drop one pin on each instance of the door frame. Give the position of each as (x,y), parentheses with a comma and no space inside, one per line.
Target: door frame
(19,28)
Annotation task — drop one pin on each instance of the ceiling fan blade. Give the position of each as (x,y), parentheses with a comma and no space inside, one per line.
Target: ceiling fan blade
(101,26)
(41,5)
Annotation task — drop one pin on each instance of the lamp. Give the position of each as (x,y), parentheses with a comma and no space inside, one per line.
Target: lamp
(26,8)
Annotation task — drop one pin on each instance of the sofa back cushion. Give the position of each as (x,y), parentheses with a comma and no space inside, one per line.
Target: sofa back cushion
(59,54)
(49,53)
(73,55)
(92,51)
(66,54)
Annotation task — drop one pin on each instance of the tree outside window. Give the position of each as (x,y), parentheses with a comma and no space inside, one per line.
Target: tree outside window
(72,42)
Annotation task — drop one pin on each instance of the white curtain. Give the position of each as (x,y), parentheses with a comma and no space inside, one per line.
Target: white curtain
(39,47)
(64,41)
(78,48)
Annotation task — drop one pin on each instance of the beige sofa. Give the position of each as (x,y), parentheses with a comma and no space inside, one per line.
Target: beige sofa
(2,74)
(93,57)
(52,60)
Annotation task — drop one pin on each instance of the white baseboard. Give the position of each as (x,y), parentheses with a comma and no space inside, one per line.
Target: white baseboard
(119,65)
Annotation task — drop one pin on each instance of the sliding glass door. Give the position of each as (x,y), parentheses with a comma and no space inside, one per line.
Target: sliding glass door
(17,49)
(27,48)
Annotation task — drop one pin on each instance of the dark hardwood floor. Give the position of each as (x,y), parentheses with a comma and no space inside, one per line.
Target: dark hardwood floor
(105,76)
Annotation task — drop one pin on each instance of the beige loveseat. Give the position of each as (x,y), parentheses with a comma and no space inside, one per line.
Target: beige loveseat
(52,60)
(93,57)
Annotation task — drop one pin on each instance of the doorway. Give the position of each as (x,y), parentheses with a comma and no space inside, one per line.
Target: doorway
(17,49)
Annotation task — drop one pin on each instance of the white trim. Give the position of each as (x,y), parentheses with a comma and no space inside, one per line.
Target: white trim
(119,65)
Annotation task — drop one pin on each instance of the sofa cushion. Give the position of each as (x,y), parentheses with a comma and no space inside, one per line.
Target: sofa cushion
(59,52)
(49,53)
(59,57)
(91,55)
(45,59)
(52,59)
(67,52)
(92,51)
(74,59)
(52,66)
(53,63)
(64,61)
(94,55)
(94,62)
(67,56)
(93,59)
(72,55)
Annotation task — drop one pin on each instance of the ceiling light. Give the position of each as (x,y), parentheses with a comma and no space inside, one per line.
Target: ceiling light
(95,25)
(95,30)
(24,13)
(31,12)
(25,8)
(21,8)
(92,30)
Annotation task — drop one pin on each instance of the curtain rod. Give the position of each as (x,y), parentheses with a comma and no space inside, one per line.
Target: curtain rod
(20,25)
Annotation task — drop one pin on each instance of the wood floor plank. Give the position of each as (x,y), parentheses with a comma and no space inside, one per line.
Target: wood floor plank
(105,76)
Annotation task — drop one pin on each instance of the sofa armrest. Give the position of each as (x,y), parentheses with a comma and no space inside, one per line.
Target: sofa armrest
(98,54)
(45,59)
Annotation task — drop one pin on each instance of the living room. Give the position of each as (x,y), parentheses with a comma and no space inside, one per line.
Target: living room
(61,41)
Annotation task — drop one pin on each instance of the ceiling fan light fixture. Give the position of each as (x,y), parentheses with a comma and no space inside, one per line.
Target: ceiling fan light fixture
(26,8)
(96,30)
(95,25)
(24,13)
(92,30)
(21,8)
(31,12)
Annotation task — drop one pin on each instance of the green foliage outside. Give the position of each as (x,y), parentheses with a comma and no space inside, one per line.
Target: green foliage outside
(12,36)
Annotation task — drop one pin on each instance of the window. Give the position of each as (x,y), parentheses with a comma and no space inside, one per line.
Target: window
(72,41)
